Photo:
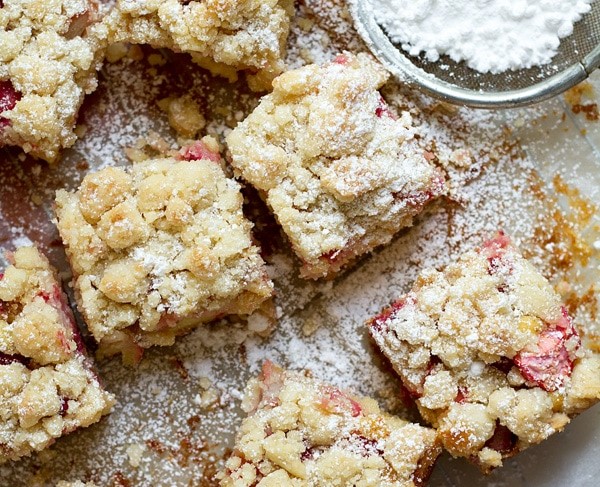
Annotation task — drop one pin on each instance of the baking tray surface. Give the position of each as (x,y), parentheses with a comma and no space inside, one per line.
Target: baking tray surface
(533,172)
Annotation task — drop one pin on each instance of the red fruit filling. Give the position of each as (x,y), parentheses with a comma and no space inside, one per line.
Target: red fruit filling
(332,256)
(64,406)
(6,359)
(308,454)
(8,99)
(58,301)
(368,446)
(197,152)
(379,323)
(338,257)
(335,400)
(383,110)
(503,440)
(461,395)
(494,249)
(503,365)
(271,380)
(341,59)
(549,363)
(419,199)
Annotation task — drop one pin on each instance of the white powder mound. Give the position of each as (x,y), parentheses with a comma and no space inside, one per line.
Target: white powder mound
(490,35)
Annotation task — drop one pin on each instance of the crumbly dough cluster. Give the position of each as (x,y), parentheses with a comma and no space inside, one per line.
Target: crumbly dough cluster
(158,248)
(48,60)
(224,36)
(301,432)
(47,386)
(489,354)
(341,173)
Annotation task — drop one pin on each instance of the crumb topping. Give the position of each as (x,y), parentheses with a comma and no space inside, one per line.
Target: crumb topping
(160,247)
(489,353)
(224,36)
(303,432)
(48,60)
(498,194)
(47,386)
(340,171)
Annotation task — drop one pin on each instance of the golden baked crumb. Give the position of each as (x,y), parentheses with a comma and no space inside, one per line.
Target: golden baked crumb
(340,172)
(224,36)
(47,385)
(303,432)
(184,115)
(49,54)
(158,248)
(489,354)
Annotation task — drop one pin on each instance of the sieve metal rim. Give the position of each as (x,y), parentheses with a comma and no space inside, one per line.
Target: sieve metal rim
(401,67)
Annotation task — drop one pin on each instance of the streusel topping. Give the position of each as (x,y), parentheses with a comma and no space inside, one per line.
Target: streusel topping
(160,247)
(488,352)
(48,61)
(224,36)
(47,386)
(302,432)
(340,171)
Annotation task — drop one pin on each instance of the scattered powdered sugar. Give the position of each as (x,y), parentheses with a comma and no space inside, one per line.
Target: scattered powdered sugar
(490,35)
(178,412)
(20,239)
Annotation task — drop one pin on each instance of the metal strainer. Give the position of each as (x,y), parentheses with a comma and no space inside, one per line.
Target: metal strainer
(577,57)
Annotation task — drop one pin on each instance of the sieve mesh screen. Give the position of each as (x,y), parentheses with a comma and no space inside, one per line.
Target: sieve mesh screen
(585,37)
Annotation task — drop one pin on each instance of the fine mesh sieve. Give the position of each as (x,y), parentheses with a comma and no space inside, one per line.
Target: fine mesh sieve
(578,55)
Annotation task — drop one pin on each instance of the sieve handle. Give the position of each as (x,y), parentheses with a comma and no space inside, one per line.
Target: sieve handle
(592,61)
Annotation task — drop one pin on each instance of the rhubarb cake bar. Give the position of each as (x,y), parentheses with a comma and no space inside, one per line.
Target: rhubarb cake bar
(49,53)
(302,432)
(224,36)
(47,385)
(158,248)
(339,170)
(489,354)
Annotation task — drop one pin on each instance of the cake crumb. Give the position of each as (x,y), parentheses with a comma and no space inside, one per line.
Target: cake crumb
(135,453)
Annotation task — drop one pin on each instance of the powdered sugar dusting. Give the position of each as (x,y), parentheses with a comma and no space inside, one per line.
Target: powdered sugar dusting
(496,184)
(491,36)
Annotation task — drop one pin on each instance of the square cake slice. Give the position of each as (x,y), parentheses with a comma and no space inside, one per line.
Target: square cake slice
(339,170)
(302,432)
(49,53)
(48,387)
(158,248)
(224,36)
(489,354)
